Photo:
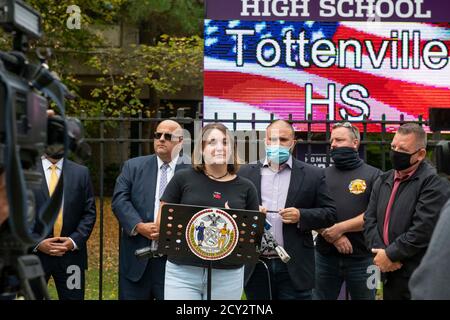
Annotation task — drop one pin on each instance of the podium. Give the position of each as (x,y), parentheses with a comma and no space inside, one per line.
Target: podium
(231,236)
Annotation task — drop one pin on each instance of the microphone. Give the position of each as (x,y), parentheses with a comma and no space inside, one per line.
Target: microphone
(144,253)
(269,244)
(148,252)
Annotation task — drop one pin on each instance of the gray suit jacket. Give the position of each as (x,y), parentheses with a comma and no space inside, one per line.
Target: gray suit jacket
(431,279)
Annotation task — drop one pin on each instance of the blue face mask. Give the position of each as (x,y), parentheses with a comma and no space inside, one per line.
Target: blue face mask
(278,154)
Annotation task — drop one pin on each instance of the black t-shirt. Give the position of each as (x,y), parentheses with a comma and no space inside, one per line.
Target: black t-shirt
(195,188)
(350,190)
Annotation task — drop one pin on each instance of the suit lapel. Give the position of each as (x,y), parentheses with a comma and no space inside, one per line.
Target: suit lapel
(150,174)
(255,177)
(297,176)
(44,187)
(68,180)
(383,202)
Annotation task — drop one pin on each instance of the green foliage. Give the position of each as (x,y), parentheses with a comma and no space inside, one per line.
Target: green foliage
(175,17)
(165,68)
(5,41)
(70,47)
(172,62)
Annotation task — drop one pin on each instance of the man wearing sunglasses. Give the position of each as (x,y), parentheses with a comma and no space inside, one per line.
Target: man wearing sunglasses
(403,210)
(136,203)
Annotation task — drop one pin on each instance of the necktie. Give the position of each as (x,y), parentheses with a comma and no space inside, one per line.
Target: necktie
(51,188)
(162,187)
(387,216)
(163,179)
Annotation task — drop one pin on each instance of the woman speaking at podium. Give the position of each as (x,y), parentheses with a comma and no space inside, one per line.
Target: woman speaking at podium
(210,182)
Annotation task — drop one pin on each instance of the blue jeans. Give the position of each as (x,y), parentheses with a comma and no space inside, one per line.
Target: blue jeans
(332,271)
(271,281)
(185,282)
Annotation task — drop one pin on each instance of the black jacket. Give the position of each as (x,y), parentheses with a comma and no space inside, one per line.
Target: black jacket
(414,214)
(307,192)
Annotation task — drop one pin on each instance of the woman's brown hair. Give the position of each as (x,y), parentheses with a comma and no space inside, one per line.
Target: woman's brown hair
(197,156)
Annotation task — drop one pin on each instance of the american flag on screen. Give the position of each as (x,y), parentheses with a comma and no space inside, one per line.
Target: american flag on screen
(280,90)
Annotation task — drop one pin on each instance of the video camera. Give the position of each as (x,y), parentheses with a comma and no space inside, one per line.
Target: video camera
(26,131)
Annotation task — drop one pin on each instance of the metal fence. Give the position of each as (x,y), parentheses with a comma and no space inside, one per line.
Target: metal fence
(129,136)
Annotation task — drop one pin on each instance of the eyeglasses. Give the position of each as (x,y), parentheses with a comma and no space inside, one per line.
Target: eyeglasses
(167,136)
(347,125)
(342,124)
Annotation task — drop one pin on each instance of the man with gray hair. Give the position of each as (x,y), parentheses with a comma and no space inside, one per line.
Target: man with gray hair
(341,252)
(404,206)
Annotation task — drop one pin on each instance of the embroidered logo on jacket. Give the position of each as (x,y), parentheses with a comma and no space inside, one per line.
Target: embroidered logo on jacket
(357,186)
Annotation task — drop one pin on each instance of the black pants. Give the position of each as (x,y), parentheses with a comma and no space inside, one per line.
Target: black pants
(395,287)
(149,287)
(68,274)
(271,280)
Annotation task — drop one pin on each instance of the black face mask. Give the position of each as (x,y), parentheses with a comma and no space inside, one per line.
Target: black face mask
(346,158)
(54,153)
(402,160)
(56,156)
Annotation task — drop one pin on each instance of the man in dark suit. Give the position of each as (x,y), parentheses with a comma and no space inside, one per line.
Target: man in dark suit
(295,198)
(136,203)
(403,209)
(63,253)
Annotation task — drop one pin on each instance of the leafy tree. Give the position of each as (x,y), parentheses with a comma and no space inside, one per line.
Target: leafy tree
(158,17)
(165,68)
(171,60)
